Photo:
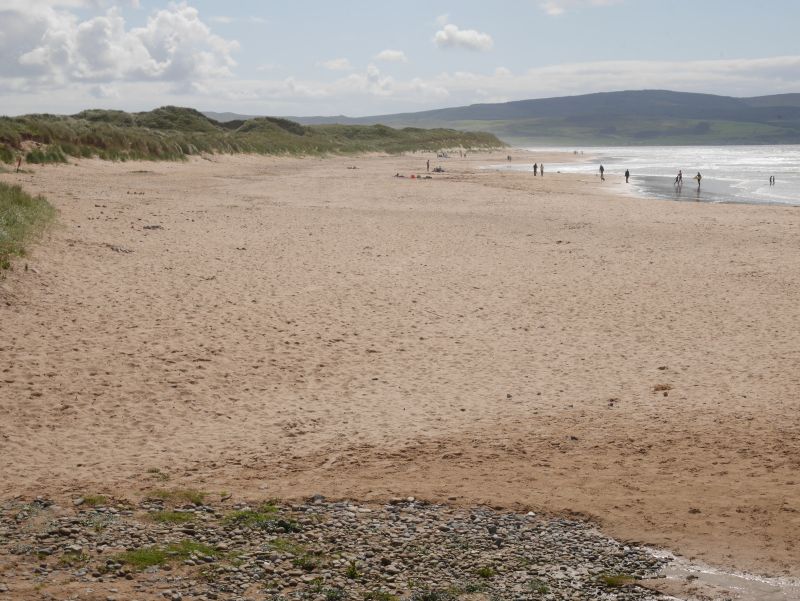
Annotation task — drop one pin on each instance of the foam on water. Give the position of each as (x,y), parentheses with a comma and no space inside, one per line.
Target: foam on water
(730,173)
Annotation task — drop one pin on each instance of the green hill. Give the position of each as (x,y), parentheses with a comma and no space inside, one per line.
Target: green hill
(171,133)
(658,117)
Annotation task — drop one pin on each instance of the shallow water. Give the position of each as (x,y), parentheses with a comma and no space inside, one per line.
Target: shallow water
(734,585)
(730,173)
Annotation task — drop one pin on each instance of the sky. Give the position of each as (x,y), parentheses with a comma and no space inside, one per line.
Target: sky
(371,57)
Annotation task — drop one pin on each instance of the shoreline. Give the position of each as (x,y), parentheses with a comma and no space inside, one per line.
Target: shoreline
(727,176)
(281,322)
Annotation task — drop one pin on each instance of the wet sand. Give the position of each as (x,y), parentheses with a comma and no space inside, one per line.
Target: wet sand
(285,327)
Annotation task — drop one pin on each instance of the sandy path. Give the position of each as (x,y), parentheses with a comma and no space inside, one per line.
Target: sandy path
(296,327)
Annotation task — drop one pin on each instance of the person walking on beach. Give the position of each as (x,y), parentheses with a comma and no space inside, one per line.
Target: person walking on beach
(541,169)
(429,165)
(602,171)
(627,175)
(535,169)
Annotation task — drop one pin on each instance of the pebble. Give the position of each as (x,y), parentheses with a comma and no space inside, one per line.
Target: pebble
(326,551)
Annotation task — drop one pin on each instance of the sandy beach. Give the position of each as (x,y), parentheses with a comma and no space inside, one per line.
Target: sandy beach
(281,327)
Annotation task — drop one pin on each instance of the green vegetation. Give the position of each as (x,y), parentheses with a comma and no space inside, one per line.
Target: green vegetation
(181,495)
(474,587)
(432,595)
(633,131)
(157,474)
(94,500)
(173,133)
(47,154)
(352,571)
(265,517)
(537,586)
(286,546)
(22,217)
(310,561)
(72,559)
(334,594)
(617,580)
(6,156)
(380,596)
(171,517)
(643,117)
(485,572)
(146,557)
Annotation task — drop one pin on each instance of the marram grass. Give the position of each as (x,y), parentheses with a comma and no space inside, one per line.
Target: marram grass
(174,133)
(22,218)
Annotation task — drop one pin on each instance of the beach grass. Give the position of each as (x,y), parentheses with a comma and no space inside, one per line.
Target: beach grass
(265,517)
(145,557)
(180,495)
(617,580)
(286,546)
(175,133)
(22,218)
(171,517)
(94,500)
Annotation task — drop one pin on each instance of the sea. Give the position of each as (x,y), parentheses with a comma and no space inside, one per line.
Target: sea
(731,174)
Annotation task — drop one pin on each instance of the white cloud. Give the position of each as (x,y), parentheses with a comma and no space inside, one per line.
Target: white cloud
(226,20)
(443,20)
(559,7)
(450,36)
(392,56)
(54,59)
(736,77)
(103,91)
(337,64)
(45,45)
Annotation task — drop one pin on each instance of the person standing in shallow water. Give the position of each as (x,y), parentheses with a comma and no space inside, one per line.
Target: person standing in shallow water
(698,177)
(627,175)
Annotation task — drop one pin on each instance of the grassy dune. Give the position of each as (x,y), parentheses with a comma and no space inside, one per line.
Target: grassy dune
(22,217)
(172,133)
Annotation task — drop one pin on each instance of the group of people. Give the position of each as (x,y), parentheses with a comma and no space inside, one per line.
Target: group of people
(603,174)
(537,169)
(679,179)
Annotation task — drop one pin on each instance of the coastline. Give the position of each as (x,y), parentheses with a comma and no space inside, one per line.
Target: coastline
(294,327)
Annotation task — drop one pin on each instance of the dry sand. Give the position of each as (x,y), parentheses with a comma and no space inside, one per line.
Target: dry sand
(296,327)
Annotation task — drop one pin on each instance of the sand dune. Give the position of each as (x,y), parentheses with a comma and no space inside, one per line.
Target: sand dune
(292,326)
